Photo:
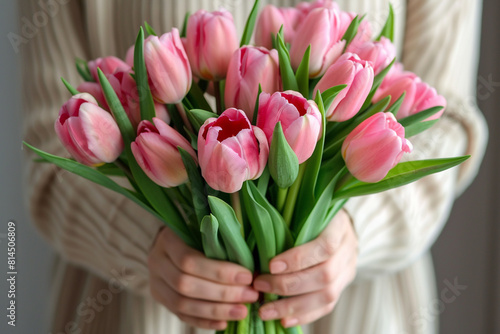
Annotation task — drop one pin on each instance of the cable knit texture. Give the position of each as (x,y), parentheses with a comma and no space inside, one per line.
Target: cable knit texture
(102,238)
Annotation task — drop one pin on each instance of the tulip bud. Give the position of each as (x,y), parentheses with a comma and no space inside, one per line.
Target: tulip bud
(321,29)
(283,162)
(270,21)
(419,96)
(379,53)
(231,151)
(358,76)
(156,151)
(300,120)
(211,40)
(168,67)
(108,65)
(249,67)
(374,147)
(89,133)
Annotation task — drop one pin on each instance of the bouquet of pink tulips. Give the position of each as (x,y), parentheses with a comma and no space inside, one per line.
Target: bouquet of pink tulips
(317,112)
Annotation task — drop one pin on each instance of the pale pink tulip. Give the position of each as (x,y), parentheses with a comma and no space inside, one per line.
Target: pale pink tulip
(379,53)
(168,67)
(231,151)
(211,40)
(249,67)
(271,19)
(321,29)
(108,65)
(300,120)
(89,133)
(374,147)
(155,150)
(358,75)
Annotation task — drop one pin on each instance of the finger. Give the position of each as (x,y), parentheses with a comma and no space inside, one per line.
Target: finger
(192,262)
(194,287)
(203,323)
(314,252)
(181,305)
(308,317)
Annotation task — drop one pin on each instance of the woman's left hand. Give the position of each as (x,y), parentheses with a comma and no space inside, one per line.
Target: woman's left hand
(313,275)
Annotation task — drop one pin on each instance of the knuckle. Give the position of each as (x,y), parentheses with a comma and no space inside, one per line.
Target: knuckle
(181,306)
(227,294)
(183,284)
(331,295)
(327,276)
(187,263)
(289,285)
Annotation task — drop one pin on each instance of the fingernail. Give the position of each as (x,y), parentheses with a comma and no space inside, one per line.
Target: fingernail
(250,295)
(237,312)
(290,322)
(268,314)
(262,286)
(278,267)
(244,278)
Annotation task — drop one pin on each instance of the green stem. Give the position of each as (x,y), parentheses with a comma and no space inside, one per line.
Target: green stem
(236,204)
(244,325)
(182,112)
(218,99)
(280,203)
(123,166)
(291,198)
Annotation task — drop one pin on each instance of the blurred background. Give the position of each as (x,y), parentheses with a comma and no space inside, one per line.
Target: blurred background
(467,251)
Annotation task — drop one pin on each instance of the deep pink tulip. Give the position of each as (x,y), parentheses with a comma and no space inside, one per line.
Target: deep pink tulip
(379,53)
(249,67)
(271,19)
(419,95)
(108,65)
(155,150)
(231,151)
(89,133)
(374,147)
(300,120)
(358,75)
(211,40)
(321,29)
(168,67)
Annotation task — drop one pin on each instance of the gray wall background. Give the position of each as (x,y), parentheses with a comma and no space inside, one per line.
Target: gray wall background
(468,249)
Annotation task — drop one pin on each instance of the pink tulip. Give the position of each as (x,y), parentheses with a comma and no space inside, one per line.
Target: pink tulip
(307,7)
(379,53)
(89,133)
(129,58)
(374,147)
(126,90)
(155,150)
(168,67)
(249,67)
(419,95)
(211,39)
(231,151)
(300,120)
(321,29)
(108,65)
(358,76)
(271,19)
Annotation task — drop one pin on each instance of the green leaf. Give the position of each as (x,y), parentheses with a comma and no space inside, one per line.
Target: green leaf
(261,221)
(377,81)
(212,245)
(287,75)
(83,69)
(229,228)
(184,25)
(110,169)
(420,116)
(415,129)
(197,98)
(302,75)
(200,202)
(388,29)
(141,78)
(395,107)
(404,173)
(198,116)
(70,88)
(330,94)
(256,108)
(351,31)
(149,29)
(263,181)
(176,120)
(283,162)
(250,24)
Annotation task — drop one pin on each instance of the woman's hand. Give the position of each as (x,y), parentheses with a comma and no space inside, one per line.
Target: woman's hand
(314,274)
(201,292)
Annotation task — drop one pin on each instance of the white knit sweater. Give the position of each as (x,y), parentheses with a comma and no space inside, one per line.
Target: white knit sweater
(103,239)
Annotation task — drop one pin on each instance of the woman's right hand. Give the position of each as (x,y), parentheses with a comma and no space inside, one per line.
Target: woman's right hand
(202,292)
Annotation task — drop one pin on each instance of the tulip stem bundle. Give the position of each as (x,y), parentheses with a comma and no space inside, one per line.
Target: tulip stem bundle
(271,168)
